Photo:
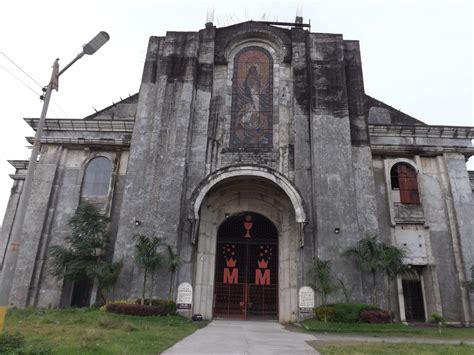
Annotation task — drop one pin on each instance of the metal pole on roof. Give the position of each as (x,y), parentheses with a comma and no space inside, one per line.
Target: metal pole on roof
(9,263)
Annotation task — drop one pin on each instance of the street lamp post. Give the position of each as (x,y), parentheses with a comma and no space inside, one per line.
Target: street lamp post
(11,257)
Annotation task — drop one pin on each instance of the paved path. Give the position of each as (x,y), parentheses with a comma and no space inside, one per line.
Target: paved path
(244,337)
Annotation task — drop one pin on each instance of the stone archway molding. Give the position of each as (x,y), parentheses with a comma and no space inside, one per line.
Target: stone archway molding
(235,171)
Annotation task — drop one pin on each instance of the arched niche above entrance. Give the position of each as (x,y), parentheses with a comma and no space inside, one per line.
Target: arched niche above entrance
(241,171)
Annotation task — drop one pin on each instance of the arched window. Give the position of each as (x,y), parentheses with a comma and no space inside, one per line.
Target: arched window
(403,178)
(252,99)
(97,177)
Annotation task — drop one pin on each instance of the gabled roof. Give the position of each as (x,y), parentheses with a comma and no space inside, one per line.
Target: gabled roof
(113,109)
(381,113)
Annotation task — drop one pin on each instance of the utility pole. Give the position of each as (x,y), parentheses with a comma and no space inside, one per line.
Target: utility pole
(16,238)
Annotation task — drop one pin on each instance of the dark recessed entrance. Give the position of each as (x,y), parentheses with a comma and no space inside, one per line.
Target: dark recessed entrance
(246,276)
(414,305)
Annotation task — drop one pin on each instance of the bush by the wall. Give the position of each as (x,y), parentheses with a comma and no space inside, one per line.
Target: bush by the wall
(168,307)
(374,316)
(133,309)
(325,313)
(160,308)
(349,312)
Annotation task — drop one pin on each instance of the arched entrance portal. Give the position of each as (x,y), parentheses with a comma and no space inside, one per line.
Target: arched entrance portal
(246,274)
(265,201)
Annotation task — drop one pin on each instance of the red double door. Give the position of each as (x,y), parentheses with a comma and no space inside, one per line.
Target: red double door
(246,275)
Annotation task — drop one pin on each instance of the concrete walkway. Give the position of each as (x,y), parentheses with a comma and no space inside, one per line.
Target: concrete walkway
(244,337)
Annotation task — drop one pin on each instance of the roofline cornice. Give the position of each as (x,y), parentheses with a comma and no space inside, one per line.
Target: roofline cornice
(453,132)
(83,125)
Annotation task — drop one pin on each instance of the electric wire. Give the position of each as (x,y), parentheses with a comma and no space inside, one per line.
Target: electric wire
(17,78)
(36,82)
(24,72)
(29,87)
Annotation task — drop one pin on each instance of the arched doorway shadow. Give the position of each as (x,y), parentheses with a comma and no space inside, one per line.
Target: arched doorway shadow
(246,274)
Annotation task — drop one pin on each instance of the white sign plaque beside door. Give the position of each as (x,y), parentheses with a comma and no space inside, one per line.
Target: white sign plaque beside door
(306,299)
(185,296)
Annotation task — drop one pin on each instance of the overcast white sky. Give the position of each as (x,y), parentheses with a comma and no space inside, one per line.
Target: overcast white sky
(417,55)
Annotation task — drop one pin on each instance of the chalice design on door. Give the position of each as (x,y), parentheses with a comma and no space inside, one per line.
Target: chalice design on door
(248,224)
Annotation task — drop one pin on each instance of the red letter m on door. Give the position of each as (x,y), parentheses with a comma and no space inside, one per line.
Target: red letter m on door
(231,277)
(262,279)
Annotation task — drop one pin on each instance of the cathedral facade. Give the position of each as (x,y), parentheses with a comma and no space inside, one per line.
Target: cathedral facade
(252,150)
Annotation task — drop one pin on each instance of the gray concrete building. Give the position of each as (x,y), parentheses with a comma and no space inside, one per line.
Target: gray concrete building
(253,149)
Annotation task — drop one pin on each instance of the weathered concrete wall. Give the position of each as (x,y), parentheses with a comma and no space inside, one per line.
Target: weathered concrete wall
(156,174)
(33,232)
(9,216)
(462,223)
(55,197)
(332,174)
(47,290)
(302,145)
(197,154)
(361,152)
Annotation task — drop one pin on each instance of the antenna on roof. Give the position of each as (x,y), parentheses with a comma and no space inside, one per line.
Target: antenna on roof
(299,11)
(209,17)
(299,15)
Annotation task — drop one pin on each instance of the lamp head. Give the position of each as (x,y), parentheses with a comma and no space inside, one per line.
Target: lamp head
(95,43)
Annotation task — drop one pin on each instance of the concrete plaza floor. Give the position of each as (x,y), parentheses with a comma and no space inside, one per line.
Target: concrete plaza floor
(244,337)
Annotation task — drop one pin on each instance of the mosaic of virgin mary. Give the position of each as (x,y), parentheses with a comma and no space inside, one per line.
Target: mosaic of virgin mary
(252,99)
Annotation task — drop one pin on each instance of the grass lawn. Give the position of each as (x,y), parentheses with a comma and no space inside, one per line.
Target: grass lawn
(386,348)
(390,329)
(90,331)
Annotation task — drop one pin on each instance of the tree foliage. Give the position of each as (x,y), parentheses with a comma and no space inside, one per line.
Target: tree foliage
(149,257)
(173,263)
(82,256)
(320,278)
(378,257)
(368,254)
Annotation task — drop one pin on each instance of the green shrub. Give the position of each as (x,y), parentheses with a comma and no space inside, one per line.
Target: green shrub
(373,316)
(325,313)
(440,320)
(349,312)
(11,342)
(158,308)
(169,307)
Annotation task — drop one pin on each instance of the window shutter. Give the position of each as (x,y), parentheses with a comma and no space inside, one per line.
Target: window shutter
(408,185)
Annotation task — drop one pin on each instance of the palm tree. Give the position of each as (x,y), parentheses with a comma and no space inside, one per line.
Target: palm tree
(149,257)
(369,254)
(173,262)
(108,274)
(374,257)
(392,264)
(321,279)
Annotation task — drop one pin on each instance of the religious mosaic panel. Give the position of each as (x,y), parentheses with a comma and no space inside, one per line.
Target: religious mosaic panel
(252,99)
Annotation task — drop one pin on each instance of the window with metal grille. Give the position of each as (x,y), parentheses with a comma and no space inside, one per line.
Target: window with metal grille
(403,178)
(97,177)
